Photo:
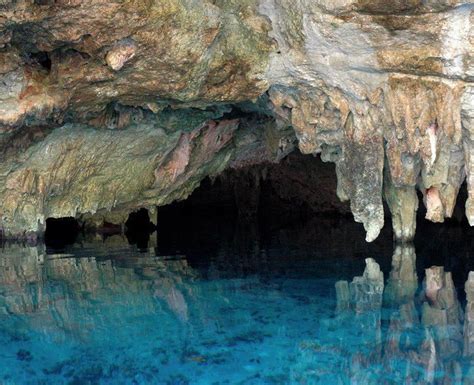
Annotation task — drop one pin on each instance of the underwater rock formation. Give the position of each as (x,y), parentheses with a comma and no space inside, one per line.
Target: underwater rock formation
(113,106)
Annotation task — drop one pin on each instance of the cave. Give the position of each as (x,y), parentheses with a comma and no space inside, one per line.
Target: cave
(262,198)
(296,189)
(43,59)
(236,192)
(60,232)
(138,228)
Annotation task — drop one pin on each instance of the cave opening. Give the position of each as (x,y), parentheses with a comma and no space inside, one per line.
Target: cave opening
(138,228)
(43,59)
(256,202)
(61,232)
(293,201)
(297,188)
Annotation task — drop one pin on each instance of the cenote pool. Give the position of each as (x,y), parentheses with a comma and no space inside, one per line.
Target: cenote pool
(245,310)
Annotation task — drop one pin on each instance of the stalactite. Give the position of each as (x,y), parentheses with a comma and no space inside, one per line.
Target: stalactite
(403,205)
(337,80)
(467,114)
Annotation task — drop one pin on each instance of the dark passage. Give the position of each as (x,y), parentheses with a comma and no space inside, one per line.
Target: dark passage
(292,204)
(138,228)
(272,195)
(61,232)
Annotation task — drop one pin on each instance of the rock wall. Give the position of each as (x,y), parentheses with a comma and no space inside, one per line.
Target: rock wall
(374,85)
(111,106)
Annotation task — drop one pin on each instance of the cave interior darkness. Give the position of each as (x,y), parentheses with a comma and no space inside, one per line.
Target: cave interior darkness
(267,197)
(293,203)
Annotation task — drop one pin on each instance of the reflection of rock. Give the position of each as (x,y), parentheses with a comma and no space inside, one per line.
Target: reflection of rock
(434,282)
(443,304)
(343,296)
(403,281)
(366,301)
(400,293)
(441,317)
(469,318)
(366,291)
(119,284)
(175,300)
(418,347)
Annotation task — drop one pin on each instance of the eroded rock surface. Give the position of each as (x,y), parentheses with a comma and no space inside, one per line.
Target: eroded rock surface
(112,106)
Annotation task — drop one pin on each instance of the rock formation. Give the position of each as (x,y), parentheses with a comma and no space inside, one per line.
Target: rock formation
(113,106)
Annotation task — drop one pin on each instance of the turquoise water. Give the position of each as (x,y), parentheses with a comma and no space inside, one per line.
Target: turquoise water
(103,313)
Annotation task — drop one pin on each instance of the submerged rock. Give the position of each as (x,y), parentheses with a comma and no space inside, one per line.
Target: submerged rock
(110,106)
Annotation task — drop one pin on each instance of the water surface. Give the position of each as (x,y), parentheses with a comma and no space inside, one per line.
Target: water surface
(246,312)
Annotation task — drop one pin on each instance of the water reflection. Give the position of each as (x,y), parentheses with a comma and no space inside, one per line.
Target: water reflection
(423,341)
(107,314)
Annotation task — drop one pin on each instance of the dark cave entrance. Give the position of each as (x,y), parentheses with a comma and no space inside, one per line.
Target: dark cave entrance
(297,188)
(138,228)
(61,231)
(253,203)
(293,202)
(294,189)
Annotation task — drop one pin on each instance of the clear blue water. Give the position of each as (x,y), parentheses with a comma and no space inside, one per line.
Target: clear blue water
(103,313)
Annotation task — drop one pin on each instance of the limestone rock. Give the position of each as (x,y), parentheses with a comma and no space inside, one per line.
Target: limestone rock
(121,53)
(369,85)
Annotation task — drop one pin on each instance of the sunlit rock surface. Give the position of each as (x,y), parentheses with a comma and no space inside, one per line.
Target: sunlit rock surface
(112,106)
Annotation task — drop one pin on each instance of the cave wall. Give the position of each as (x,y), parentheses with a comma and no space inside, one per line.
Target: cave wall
(109,106)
